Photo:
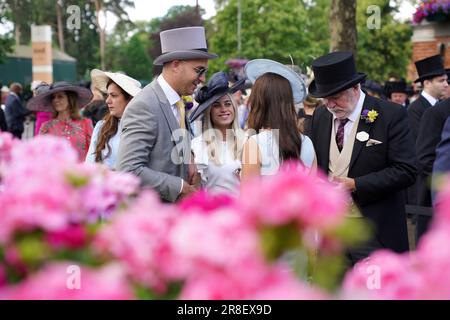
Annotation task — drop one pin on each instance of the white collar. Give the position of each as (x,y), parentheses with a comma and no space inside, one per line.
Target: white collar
(356,114)
(432,100)
(170,94)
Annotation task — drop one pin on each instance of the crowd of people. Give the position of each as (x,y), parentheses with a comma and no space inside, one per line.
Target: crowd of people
(382,144)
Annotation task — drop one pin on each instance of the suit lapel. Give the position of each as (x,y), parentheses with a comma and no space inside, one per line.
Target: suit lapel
(325,140)
(170,118)
(425,103)
(369,104)
(166,107)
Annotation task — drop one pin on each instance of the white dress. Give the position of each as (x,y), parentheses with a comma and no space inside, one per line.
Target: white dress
(216,178)
(269,151)
(113,142)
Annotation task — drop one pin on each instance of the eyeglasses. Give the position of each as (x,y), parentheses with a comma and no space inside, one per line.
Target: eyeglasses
(200,71)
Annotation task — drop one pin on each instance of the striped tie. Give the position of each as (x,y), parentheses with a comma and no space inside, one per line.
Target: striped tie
(340,134)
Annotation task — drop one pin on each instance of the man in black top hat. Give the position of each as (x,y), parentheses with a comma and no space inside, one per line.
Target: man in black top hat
(429,135)
(363,144)
(397,92)
(433,77)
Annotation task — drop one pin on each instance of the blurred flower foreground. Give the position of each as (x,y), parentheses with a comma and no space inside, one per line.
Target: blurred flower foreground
(79,231)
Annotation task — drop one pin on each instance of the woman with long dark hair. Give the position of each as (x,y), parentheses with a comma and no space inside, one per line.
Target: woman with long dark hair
(272,122)
(106,137)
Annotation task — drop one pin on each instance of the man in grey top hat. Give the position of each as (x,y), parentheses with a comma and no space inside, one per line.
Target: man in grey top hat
(155,142)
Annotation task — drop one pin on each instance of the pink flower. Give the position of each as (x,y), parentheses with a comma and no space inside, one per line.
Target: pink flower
(44,187)
(219,240)
(72,237)
(293,195)
(206,202)
(139,239)
(254,281)
(283,285)
(384,275)
(434,259)
(442,215)
(3,280)
(65,281)
(7,142)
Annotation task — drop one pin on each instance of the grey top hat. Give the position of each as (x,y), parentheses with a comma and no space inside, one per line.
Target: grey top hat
(183,44)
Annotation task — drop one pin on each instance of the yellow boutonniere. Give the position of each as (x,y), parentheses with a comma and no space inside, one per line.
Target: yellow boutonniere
(369,116)
(188,102)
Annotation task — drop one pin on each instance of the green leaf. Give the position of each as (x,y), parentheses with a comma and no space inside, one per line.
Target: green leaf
(277,240)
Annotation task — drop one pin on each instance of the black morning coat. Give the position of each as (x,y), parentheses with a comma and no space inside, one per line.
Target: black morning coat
(381,172)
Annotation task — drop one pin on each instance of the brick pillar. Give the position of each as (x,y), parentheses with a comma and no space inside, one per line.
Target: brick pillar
(42,62)
(427,40)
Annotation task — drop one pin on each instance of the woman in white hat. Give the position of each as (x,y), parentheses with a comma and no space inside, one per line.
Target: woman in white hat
(120,89)
(276,88)
(65,101)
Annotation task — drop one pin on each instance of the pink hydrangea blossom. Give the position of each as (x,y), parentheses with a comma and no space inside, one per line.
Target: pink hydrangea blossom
(139,238)
(385,275)
(254,281)
(203,201)
(66,281)
(433,258)
(3,280)
(218,240)
(44,187)
(293,195)
(72,237)
(7,142)
(441,217)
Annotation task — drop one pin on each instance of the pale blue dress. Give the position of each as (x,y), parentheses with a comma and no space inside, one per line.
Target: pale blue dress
(269,151)
(113,142)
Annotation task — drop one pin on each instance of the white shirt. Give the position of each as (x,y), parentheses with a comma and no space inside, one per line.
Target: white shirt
(432,100)
(353,117)
(217,178)
(172,96)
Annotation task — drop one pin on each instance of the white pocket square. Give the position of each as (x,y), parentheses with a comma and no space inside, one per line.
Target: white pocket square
(372,142)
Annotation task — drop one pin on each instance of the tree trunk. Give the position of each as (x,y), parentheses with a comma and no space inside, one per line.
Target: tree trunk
(17,33)
(343,25)
(60,27)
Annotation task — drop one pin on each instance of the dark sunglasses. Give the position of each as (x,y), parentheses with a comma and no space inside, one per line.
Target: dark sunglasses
(200,71)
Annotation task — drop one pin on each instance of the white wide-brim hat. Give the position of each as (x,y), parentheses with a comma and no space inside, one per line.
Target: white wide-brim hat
(101,78)
(256,68)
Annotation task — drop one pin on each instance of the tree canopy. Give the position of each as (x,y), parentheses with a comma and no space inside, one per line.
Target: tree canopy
(276,29)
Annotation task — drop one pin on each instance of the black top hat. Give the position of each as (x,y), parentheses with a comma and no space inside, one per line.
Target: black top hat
(429,68)
(215,89)
(333,73)
(395,86)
